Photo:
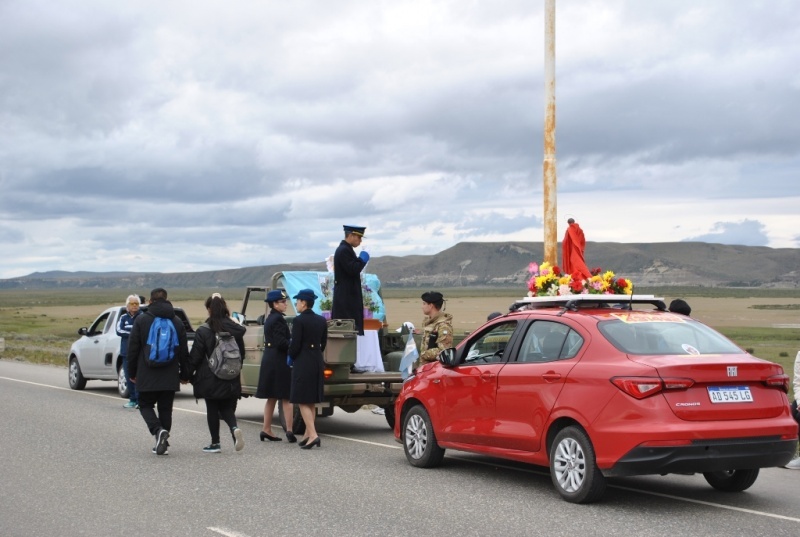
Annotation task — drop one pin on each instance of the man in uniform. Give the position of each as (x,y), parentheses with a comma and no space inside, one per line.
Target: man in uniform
(348,303)
(437,328)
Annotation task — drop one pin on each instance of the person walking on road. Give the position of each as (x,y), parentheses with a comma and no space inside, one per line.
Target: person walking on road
(309,337)
(348,301)
(157,381)
(275,375)
(219,394)
(124,326)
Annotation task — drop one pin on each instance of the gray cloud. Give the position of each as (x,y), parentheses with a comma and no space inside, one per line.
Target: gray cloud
(746,232)
(181,128)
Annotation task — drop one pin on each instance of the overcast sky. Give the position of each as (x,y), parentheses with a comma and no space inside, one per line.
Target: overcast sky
(187,136)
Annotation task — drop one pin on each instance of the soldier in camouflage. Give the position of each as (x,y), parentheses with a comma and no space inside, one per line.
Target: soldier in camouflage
(437,328)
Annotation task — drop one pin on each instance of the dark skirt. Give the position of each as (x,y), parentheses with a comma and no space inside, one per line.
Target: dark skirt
(308,379)
(275,377)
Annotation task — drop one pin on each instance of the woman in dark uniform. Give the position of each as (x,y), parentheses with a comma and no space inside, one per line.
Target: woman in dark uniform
(275,375)
(309,336)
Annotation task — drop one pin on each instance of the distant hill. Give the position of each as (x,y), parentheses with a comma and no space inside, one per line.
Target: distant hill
(490,264)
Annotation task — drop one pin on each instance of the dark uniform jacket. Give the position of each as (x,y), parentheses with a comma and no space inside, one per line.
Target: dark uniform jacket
(309,337)
(348,303)
(206,384)
(275,376)
(157,379)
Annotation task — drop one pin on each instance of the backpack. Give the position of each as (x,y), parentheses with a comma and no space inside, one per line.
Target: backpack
(225,361)
(163,340)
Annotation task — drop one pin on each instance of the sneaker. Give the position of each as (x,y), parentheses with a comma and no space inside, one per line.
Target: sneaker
(166,452)
(130,404)
(793,464)
(379,410)
(212,448)
(161,442)
(238,439)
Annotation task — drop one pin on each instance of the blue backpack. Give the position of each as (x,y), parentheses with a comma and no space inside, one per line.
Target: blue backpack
(162,339)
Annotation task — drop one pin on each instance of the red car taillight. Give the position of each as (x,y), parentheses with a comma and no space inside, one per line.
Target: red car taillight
(778,381)
(641,387)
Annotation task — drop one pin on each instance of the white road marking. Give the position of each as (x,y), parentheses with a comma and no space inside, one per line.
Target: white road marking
(631,489)
(228,533)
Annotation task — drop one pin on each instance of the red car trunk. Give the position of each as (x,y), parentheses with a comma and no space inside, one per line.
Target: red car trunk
(726,387)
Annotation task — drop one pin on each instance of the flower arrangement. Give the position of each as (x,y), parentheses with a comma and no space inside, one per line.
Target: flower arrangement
(326,286)
(366,293)
(548,280)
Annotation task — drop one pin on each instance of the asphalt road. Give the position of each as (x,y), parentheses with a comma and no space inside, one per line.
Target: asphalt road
(77,463)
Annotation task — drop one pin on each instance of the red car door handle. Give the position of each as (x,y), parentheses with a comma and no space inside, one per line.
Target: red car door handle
(487,376)
(551,377)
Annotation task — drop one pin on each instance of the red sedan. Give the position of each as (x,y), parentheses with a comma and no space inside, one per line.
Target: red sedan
(593,387)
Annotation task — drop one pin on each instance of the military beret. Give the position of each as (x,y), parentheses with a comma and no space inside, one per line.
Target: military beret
(433,297)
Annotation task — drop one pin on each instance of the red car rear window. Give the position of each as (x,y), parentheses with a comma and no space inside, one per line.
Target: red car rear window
(663,333)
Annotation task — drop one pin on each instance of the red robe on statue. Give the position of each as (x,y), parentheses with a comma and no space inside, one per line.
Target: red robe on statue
(572,248)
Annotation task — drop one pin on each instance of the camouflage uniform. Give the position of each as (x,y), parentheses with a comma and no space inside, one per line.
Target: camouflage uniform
(437,335)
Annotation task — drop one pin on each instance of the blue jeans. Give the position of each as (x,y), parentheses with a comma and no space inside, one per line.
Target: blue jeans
(132,394)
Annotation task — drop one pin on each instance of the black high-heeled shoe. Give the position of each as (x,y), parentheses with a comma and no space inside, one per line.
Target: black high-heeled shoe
(311,444)
(291,437)
(269,437)
(303,442)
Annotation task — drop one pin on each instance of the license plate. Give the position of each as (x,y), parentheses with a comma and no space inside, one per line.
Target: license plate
(730,394)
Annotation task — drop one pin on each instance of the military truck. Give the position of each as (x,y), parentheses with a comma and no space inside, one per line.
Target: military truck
(344,388)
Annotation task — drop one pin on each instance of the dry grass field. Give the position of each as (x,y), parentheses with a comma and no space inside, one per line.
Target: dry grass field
(39,326)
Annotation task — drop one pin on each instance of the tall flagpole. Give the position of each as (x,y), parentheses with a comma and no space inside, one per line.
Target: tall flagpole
(549,181)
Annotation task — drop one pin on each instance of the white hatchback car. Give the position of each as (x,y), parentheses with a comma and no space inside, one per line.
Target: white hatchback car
(95,356)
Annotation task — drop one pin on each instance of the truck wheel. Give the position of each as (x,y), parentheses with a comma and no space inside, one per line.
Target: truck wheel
(76,379)
(122,383)
(732,480)
(573,468)
(419,440)
(388,412)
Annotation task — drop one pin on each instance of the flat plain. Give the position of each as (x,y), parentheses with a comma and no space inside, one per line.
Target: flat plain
(39,325)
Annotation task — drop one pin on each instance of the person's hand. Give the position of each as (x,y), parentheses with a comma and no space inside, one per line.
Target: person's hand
(364,256)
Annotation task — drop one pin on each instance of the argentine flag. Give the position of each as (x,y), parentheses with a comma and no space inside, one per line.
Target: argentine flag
(410,355)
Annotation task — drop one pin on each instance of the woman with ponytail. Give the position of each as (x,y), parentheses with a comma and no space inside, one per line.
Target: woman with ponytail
(220,395)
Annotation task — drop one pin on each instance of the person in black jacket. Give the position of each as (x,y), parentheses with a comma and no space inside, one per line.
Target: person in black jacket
(275,375)
(220,395)
(309,337)
(156,386)
(348,301)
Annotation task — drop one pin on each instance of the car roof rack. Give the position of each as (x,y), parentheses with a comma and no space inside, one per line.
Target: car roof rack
(572,302)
